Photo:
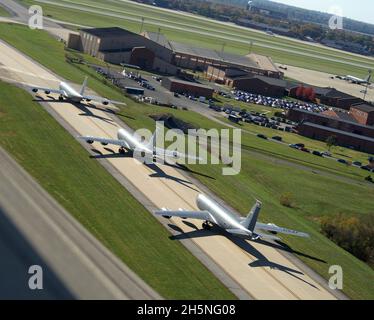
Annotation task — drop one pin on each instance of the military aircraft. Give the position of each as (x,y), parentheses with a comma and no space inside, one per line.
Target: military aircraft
(245,227)
(128,141)
(66,92)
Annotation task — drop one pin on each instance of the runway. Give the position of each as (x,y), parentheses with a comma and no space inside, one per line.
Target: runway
(271,275)
(35,230)
(210,32)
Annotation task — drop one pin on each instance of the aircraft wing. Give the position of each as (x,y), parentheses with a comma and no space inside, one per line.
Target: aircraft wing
(102,100)
(104,141)
(56,91)
(199,215)
(274,228)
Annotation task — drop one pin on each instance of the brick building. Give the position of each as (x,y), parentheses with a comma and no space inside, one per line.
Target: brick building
(192,88)
(343,138)
(363,113)
(302,116)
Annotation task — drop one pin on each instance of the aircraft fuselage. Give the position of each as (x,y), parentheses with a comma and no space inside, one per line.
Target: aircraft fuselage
(224,219)
(70,93)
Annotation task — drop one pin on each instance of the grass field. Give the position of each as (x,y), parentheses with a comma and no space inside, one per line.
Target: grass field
(314,196)
(99,202)
(202,32)
(3,12)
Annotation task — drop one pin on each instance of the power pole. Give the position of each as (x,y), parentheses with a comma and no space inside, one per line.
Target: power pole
(250,46)
(158,34)
(367,85)
(142,25)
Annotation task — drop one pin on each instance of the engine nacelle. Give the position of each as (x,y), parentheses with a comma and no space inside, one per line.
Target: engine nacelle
(88,100)
(166,217)
(105,103)
(47,92)
(90,141)
(104,143)
(35,90)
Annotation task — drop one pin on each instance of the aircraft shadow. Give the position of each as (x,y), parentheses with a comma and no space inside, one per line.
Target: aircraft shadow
(261,260)
(158,172)
(83,107)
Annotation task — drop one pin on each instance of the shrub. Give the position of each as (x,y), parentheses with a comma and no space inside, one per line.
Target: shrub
(286,200)
(352,234)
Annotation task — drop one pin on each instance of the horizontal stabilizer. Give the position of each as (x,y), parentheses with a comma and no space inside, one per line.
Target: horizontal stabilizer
(199,215)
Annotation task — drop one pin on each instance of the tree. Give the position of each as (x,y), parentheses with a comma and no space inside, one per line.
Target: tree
(371,161)
(331,141)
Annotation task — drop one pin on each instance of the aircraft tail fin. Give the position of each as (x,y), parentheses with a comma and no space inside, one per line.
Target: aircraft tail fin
(83,86)
(152,142)
(251,220)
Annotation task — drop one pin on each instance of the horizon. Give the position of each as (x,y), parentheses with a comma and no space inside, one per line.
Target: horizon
(348,8)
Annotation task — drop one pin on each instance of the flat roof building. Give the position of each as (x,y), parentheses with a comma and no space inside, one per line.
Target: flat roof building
(301,116)
(343,138)
(363,113)
(192,88)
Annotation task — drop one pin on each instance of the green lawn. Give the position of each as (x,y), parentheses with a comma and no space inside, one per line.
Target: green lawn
(314,195)
(99,202)
(187,28)
(3,12)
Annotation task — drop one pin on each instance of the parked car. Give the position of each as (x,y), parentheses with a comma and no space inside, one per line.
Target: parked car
(326,154)
(367,168)
(304,150)
(300,145)
(317,153)
(342,161)
(262,136)
(277,138)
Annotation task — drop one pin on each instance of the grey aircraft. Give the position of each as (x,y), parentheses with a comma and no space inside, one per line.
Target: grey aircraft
(66,92)
(128,141)
(245,227)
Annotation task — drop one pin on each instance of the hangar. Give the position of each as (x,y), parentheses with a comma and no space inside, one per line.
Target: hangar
(116,45)
(152,50)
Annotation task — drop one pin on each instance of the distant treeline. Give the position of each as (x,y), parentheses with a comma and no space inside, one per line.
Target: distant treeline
(301,14)
(217,9)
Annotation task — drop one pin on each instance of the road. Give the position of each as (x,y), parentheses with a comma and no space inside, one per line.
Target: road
(260,269)
(36,230)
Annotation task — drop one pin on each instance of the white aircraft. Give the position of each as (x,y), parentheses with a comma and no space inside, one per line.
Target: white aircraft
(127,141)
(65,91)
(213,214)
(358,80)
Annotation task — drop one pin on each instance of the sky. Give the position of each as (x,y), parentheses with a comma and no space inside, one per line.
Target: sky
(361,10)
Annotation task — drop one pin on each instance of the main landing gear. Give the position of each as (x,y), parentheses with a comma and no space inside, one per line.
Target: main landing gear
(122,150)
(207,225)
(61,98)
